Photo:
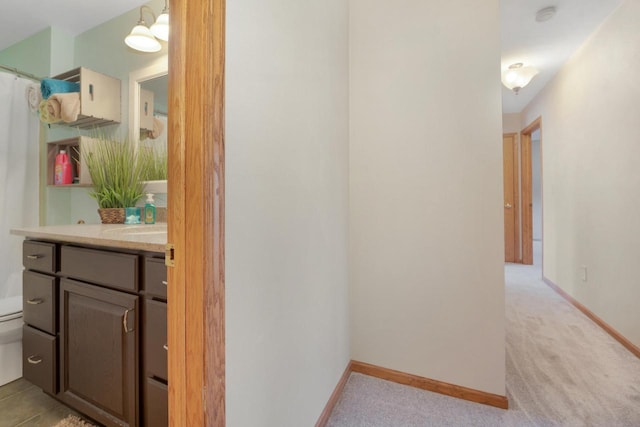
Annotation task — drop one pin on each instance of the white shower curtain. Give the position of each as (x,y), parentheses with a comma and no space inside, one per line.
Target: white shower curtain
(19,174)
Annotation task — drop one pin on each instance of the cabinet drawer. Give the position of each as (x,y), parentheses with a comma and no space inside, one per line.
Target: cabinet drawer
(156,405)
(39,298)
(116,270)
(39,256)
(155,339)
(155,277)
(39,359)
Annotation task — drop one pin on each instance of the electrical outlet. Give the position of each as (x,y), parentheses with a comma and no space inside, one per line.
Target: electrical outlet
(583,273)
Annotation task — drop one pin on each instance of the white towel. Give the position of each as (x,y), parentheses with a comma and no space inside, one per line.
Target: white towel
(34,97)
(69,105)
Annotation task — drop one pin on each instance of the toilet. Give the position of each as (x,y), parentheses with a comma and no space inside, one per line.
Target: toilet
(10,339)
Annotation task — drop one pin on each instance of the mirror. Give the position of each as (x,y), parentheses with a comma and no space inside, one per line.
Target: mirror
(148,117)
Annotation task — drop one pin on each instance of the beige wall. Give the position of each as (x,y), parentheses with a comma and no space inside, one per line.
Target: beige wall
(511,123)
(286,209)
(591,176)
(426,226)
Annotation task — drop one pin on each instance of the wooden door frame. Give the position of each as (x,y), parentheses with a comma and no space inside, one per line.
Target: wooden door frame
(516,194)
(195,202)
(527,188)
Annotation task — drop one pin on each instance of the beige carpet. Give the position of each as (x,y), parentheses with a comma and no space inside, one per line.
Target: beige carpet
(562,370)
(73,421)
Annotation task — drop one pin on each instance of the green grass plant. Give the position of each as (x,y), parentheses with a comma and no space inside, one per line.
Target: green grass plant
(154,159)
(117,172)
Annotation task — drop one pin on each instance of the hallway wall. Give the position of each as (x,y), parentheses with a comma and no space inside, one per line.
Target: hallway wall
(426,216)
(592,179)
(287,75)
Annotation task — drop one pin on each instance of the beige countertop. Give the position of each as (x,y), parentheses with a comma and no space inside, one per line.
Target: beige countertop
(142,237)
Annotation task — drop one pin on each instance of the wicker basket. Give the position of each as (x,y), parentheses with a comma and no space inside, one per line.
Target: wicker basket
(111,215)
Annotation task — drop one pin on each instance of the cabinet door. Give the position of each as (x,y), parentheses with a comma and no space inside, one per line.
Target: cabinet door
(155,339)
(98,352)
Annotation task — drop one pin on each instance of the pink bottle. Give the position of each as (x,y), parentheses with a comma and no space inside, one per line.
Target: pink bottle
(63,174)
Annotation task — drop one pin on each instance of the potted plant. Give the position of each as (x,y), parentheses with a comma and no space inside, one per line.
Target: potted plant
(155,168)
(117,171)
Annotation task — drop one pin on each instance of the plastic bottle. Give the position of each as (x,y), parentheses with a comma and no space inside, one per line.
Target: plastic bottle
(149,210)
(62,169)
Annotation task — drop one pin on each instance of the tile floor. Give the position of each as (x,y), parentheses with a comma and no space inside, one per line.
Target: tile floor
(23,404)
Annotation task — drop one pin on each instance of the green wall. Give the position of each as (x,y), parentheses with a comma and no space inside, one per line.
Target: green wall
(32,54)
(54,51)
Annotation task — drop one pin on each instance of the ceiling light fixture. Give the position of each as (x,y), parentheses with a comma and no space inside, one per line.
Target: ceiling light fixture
(517,76)
(161,28)
(545,14)
(144,39)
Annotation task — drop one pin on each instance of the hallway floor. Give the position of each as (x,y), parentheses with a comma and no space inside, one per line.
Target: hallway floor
(562,370)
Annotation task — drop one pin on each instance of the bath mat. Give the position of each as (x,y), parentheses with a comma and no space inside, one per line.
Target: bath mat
(73,421)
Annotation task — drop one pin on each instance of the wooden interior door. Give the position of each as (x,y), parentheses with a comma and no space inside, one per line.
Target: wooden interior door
(511,218)
(527,190)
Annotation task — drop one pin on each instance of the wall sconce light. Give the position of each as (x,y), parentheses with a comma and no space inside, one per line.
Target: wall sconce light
(517,76)
(143,38)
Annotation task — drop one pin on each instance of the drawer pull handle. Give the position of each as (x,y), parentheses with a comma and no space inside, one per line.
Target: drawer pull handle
(34,360)
(35,301)
(37,256)
(164,282)
(166,347)
(125,321)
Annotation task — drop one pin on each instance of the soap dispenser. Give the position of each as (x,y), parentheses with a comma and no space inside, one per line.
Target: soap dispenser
(149,210)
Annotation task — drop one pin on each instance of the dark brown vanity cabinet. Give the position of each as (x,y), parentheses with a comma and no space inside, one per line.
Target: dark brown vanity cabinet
(39,301)
(98,352)
(95,333)
(156,412)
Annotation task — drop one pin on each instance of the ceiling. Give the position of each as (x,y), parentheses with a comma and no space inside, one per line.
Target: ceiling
(23,18)
(545,46)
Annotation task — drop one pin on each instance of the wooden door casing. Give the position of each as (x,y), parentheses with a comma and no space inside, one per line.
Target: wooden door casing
(196,313)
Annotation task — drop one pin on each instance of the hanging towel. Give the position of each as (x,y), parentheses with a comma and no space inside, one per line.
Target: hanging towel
(49,112)
(69,105)
(51,86)
(34,97)
(60,107)
(158,128)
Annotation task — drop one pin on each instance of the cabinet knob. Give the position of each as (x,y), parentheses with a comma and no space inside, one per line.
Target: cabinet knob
(34,360)
(166,347)
(35,301)
(164,282)
(36,256)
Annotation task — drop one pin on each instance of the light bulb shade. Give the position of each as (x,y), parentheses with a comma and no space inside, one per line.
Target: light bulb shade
(160,28)
(517,78)
(141,39)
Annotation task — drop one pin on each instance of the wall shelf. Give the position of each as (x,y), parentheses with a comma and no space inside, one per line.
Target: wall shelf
(74,147)
(100,98)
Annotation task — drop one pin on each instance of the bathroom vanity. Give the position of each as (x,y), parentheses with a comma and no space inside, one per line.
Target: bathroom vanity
(95,313)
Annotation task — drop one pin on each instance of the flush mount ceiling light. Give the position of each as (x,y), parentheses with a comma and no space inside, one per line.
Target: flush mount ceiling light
(517,76)
(545,14)
(146,40)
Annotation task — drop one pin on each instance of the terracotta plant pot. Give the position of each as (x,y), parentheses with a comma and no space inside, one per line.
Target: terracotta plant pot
(111,215)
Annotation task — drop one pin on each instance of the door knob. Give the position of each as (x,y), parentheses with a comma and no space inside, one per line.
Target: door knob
(508,206)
